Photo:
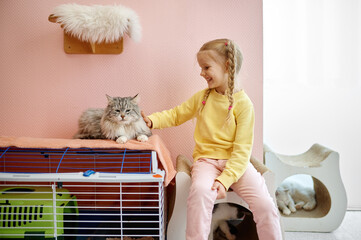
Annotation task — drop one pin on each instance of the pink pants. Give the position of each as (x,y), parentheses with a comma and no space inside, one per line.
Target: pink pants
(251,187)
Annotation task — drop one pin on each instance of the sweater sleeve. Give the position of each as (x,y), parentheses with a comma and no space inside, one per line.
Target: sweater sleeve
(178,115)
(242,148)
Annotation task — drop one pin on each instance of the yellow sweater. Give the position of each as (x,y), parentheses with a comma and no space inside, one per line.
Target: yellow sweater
(214,138)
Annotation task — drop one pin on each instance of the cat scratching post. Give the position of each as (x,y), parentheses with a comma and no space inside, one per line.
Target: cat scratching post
(322,164)
(178,205)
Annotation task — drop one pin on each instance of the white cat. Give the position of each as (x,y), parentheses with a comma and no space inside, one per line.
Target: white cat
(292,195)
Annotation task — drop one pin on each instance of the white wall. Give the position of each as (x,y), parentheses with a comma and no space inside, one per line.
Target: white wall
(312,81)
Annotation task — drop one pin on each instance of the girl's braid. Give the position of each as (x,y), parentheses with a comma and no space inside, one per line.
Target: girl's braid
(231,65)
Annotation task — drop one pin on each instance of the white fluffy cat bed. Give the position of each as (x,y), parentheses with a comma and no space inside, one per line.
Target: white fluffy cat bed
(97,24)
(322,164)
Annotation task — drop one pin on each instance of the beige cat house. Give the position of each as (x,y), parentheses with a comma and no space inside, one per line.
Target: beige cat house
(322,164)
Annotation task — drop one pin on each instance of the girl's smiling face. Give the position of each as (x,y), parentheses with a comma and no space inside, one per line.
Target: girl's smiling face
(213,70)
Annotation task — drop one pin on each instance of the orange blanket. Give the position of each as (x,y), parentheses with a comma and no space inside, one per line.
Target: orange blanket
(154,143)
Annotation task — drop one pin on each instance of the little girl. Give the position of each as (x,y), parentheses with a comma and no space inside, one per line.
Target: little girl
(223,144)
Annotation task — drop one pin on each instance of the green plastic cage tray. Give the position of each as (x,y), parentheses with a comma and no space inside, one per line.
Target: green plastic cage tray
(36,212)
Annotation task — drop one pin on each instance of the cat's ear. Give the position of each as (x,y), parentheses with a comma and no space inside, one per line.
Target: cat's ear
(108,97)
(136,99)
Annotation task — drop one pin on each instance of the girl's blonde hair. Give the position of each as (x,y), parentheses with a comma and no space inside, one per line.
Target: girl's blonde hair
(232,58)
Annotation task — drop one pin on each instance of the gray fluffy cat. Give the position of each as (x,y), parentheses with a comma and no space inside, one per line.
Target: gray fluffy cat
(120,120)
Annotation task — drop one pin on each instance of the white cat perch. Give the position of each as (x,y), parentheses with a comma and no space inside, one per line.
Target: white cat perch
(323,165)
(96,29)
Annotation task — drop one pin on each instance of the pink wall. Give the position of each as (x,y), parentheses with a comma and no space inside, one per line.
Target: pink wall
(44,90)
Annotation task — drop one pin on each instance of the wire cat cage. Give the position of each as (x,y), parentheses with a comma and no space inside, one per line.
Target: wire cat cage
(80,194)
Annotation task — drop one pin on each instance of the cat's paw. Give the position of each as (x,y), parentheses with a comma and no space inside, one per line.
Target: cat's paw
(299,205)
(142,138)
(292,208)
(286,211)
(231,237)
(122,139)
(226,230)
(309,206)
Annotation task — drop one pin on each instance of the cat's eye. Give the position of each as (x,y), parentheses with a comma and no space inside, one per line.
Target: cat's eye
(127,111)
(117,110)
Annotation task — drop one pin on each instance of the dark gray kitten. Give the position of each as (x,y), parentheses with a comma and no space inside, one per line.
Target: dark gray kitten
(120,120)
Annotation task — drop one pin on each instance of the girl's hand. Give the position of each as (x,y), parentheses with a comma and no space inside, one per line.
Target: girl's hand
(221,190)
(147,120)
